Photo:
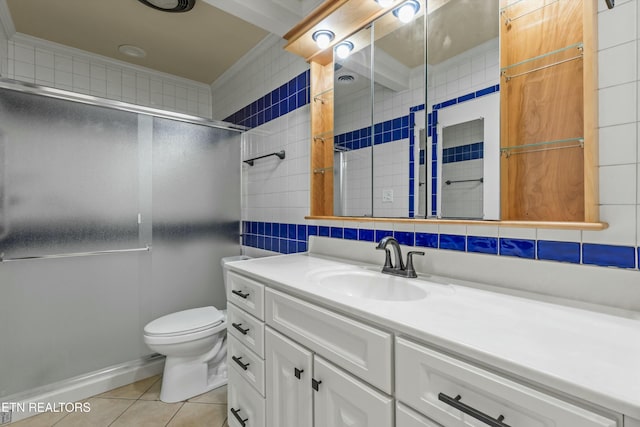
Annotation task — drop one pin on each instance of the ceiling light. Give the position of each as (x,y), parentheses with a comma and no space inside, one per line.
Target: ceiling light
(131,50)
(323,38)
(385,3)
(170,5)
(407,11)
(344,49)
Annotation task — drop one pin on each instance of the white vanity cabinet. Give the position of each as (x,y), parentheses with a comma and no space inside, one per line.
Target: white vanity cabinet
(449,391)
(300,338)
(304,390)
(321,368)
(245,352)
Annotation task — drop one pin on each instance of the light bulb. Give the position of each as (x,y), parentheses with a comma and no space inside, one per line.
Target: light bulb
(385,3)
(344,49)
(406,12)
(323,41)
(323,38)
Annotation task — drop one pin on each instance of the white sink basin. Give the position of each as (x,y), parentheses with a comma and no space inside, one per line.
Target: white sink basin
(367,284)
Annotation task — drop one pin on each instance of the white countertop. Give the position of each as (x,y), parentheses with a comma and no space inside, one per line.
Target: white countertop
(586,354)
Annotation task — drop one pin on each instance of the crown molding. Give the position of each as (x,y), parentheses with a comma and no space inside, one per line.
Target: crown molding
(6,20)
(93,57)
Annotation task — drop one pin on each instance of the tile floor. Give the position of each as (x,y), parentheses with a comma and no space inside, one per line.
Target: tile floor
(138,405)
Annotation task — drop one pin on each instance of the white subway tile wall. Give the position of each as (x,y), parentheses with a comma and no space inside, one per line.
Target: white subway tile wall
(619,157)
(49,64)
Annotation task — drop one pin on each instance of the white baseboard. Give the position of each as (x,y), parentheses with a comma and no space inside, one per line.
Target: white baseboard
(82,387)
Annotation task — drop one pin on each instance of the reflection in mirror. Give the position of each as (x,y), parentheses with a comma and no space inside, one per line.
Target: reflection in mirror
(377,147)
(462,171)
(353,154)
(398,113)
(463,88)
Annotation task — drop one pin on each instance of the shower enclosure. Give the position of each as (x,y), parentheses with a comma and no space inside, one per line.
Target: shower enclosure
(110,216)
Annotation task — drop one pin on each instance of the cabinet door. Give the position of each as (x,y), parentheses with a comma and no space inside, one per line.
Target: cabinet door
(288,382)
(343,401)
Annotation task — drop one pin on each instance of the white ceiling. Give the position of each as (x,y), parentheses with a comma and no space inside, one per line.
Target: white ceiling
(199,45)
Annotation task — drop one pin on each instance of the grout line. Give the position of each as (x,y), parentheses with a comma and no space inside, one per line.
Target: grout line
(125,410)
(175,413)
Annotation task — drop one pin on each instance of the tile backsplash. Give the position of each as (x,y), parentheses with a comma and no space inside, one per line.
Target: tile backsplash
(617,246)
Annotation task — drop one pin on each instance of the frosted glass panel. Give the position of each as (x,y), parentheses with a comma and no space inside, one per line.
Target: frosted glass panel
(196,211)
(61,318)
(69,178)
(73,178)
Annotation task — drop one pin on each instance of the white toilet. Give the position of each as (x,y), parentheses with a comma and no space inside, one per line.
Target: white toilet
(195,345)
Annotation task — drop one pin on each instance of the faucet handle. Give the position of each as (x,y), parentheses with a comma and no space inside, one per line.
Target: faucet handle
(411,272)
(387,258)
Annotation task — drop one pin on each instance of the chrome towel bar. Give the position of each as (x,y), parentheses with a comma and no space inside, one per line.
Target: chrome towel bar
(147,248)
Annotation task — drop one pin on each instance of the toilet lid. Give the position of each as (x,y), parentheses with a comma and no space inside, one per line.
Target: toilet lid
(187,321)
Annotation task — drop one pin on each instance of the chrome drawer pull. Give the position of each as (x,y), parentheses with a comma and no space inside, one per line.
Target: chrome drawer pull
(240,294)
(297,372)
(455,402)
(238,417)
(238,360)
(238,326)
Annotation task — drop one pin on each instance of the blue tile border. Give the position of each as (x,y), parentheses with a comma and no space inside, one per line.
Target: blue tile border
(293,238)
(520,248)
(282,100)
(483,245)
(609,255)
(559,251)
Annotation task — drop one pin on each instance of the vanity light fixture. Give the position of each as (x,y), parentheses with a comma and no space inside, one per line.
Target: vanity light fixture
(407,10)
(343,49)
(323,38)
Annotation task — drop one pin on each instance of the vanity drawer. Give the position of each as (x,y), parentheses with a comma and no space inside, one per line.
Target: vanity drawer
(246,294)
(246,328)
(360,349)
(244,403)
(424,378)
(246,363)
(407,417)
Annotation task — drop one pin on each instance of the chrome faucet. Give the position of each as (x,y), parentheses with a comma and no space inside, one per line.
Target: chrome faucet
(399,269)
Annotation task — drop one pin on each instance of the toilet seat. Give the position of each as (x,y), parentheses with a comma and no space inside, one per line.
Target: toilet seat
(185,325)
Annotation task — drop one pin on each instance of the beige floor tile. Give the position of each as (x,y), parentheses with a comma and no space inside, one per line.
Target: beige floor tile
(154,391)
(102,413)
(218,395)
(147,414)
(46,419)
(199,414)
(131,391)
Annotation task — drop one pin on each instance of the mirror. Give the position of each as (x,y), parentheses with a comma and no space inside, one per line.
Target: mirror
(379,92)
(353,151)
(389,157)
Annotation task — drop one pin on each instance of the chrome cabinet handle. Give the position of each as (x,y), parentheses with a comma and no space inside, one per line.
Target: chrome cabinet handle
(481,416)
(240,294)
(238,326)
(238,360)
(238,417)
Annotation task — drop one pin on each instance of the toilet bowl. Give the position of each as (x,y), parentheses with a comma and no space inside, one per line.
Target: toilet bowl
(195,345)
